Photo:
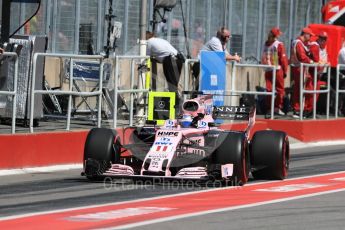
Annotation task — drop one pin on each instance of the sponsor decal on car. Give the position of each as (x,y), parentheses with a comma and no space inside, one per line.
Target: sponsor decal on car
(162,143)
(157,155)
(232,112)
(202,124)
(155,162)
(160,148)
(232,109)
(227,170)
(167,133)
(198,152)
(165,139)
(194,140)
(170,123)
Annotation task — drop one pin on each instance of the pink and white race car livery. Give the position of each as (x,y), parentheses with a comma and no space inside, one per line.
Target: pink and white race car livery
(191,147)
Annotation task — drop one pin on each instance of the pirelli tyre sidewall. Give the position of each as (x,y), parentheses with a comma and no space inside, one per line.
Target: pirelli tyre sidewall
(270,155)
(232,149)
(102,147)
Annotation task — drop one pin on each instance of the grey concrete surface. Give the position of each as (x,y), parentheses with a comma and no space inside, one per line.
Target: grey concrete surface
(38,192)
(317,213)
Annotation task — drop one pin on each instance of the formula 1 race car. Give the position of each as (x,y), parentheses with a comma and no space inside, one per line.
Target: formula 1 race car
(190,147)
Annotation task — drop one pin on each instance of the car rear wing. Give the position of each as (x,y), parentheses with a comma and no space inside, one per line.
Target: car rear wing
(241,113)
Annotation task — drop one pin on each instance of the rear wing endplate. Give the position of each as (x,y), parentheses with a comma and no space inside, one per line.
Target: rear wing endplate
(239,113)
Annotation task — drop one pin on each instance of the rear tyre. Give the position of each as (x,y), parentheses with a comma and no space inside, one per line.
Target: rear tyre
(232,149)
(270,155)
(102,148)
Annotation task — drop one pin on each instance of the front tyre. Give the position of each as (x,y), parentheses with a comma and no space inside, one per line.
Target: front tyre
(102,148)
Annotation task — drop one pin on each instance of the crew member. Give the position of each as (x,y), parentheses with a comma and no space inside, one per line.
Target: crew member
(318,54)
(217,43)
(274,54)
(163,52)
(299,54)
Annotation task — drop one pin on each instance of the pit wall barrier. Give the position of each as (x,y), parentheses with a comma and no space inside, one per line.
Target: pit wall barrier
(45,149)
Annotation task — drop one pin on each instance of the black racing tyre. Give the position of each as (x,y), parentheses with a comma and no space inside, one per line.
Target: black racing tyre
(270,155)
(232,149)
(102,148)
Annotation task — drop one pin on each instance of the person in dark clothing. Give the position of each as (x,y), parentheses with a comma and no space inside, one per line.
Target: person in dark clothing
(163,52)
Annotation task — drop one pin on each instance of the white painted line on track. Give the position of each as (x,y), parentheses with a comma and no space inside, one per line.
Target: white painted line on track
(138,224)
(157,197)
(301,145)
(45,169)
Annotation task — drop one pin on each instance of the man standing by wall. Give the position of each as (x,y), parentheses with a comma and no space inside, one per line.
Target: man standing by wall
(163,52)
(219,42)
(274,54)
(322,41)
(299,54)
(318,54)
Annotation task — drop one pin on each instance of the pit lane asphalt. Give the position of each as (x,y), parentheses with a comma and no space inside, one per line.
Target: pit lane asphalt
(37,192)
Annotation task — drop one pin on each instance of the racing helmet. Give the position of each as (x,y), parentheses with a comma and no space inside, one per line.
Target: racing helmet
(186,121)
(192,107)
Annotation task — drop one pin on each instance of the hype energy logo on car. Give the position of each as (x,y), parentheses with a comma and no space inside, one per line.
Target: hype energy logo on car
(167,134)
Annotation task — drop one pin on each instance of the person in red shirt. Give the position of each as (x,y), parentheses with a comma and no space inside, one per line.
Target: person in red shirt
(274,54)
(300,54)
(318,54)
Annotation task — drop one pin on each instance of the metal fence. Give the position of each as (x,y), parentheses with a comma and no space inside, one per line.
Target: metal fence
(69,92)
(12,93)
(265,68)
(337,89)
(187,72)
(116,69)
(314,91)
(131,89)
(74,24)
